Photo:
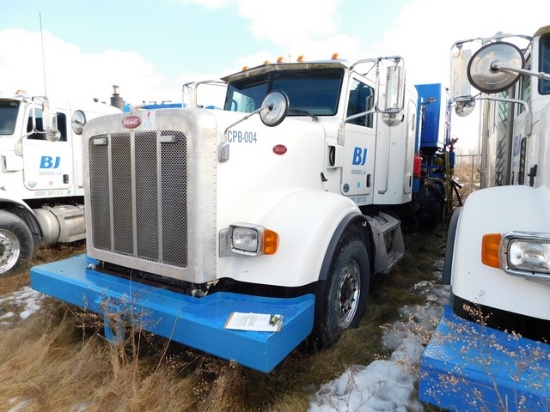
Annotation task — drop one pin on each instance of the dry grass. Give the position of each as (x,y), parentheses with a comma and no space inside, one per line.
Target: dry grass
(20,278)
(58,360)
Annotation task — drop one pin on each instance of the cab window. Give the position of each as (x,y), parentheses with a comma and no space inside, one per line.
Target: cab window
(524,92)
(361,99)
(61,126)
(8,116)
(38,123)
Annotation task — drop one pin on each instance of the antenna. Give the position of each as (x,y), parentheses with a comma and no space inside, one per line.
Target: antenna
(43,54)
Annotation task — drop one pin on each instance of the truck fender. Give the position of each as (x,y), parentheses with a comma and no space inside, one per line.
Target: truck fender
(449,251)
(309,223)
(357,223)
(340,214)
(341,293)
(491,211)
(21,209)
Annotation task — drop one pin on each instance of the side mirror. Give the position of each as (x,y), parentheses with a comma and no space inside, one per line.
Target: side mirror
(78,121)
(274,108)
(495,67)
(464,107)
(49,123)
(460,86)
(272,112)
(395,89)
(46,116)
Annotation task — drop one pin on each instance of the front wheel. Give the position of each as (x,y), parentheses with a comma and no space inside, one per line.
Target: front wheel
(342,302)
(16,242)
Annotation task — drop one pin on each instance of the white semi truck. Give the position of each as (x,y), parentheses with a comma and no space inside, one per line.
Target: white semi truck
(41,175)
(284,203)
(490,350)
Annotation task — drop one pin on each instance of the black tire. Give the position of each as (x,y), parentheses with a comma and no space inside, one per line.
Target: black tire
(436,204)
(342,302)
(16,242)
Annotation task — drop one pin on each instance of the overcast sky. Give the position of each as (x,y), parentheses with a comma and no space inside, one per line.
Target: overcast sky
(151,47)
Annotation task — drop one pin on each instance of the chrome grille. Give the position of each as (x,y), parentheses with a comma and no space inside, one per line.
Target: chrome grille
(146,190)
(138,195)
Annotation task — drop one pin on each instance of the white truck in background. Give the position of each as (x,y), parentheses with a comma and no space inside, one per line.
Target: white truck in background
(284,203)
(41,173)
(491,348)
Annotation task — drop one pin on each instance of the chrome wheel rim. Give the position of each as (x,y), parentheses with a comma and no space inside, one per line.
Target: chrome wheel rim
(349,290)
(9,250)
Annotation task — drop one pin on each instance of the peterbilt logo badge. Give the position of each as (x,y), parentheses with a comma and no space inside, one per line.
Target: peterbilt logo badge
(131,122)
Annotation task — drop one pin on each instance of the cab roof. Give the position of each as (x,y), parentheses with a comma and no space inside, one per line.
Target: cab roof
(273,67)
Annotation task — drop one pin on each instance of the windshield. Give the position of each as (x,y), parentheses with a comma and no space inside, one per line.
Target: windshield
(313,92)
(8,116)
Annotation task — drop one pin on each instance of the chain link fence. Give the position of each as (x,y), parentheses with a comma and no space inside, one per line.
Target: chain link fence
(467,177)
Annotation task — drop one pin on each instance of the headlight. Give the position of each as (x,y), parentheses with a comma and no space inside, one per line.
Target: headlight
(525,254)
(248,239)
(532,255)
(245,239)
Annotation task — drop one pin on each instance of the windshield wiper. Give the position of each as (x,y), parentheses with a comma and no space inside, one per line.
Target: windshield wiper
(304,112)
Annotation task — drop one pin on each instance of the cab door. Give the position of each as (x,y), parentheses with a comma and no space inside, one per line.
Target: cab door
(360,144)
(48,165)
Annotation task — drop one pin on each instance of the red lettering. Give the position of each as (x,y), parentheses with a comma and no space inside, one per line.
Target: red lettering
(131,122)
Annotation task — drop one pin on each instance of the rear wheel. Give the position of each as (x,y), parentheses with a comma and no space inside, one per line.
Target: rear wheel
(342,302)
(16,242)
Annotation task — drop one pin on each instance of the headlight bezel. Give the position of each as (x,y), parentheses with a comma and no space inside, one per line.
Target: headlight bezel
(513,243)
(245,240)
(248,240)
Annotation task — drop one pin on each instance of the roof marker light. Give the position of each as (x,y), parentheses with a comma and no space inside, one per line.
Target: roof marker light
(300,58)
(334,56)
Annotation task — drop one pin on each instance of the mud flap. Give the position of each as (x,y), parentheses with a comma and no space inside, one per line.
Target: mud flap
(196,322)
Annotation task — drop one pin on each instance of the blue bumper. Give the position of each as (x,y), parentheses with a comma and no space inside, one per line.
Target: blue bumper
(196,322)
(470,367)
